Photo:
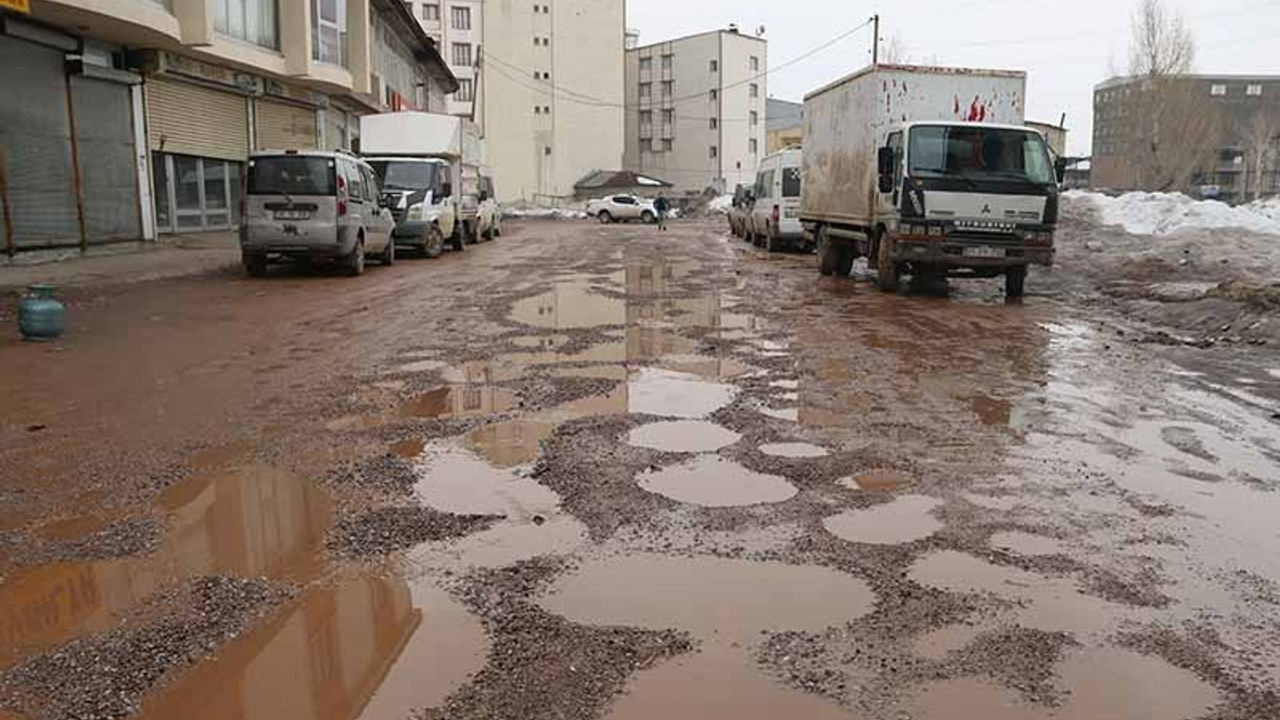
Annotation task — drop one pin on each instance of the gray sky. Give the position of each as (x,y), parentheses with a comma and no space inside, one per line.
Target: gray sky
(1066,46)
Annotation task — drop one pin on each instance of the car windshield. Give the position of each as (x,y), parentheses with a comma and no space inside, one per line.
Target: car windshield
(291,175)
(978,152)
(399,175)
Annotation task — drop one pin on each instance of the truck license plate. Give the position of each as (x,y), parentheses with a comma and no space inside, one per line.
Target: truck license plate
(292,215)
(984,252)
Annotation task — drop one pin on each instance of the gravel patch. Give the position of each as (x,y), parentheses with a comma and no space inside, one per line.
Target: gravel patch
(388,529)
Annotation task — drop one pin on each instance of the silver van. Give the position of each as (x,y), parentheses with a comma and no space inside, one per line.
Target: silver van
(304,205)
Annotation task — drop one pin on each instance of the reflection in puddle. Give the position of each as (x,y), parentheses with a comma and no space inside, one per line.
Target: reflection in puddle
(459,401)
(570,305)
(453,480)
(880,479)
(671,394)
(518,442)
(540,342)
(683,436)
(710,597)
(713,481)
(717,683)
(787,414)
(705,366)
(785,384)
(504,545)
(332,650)
(905,519)
(794,450)
(255,522)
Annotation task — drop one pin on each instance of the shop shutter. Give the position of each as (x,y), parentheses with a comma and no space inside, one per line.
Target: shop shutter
(335,130)
(192,119)
(105,146)
(35,135)
(281,126)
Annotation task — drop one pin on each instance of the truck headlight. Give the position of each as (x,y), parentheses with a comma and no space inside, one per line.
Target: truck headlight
(415,212)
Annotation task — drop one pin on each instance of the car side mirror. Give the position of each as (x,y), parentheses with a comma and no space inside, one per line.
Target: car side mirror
(884,166)
(1060,169)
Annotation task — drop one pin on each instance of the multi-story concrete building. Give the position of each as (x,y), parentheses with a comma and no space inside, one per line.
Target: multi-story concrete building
(1215,136)
(696,110)
(122,119)
(544,81)
(785,124)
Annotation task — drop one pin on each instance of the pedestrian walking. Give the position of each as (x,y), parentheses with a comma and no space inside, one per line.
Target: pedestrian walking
(661,206)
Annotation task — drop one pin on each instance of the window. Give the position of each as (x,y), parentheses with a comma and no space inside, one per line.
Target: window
(1217,90)
(755,63)
(715,95)
(937,151)
(646,91)
(546,109)
(329,31)
(714,124)
(466,90)
(667,144)
(668,117)
(667,87)
(791,182)
(755,90)
(462,54)
(755,118)
(461,18)
(753,146)
(1253,91)
(537,109)
(431,12)
(646,117)
(646,64)
(666,62)
(715,152)
(715,66)
(255,21)
(646,145)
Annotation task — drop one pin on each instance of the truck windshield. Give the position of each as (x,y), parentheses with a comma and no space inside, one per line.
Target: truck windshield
(403,175)
(291,175)
(978,152)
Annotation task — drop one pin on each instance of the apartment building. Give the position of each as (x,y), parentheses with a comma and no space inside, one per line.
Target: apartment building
(785,124)
(122,119)
(696,112)
(1213,136)
(457,26)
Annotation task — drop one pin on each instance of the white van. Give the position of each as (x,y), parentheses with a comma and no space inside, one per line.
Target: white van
(774,222)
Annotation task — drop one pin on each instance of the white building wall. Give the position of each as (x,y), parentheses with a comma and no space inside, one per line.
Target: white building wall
(681,152)
(442,29)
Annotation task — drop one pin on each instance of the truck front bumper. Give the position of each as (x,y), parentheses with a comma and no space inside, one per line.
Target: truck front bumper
(971,254)
(410,232)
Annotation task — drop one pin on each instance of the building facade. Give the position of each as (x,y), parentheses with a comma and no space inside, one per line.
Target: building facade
(696,110)
(457,26)
(124,119)
(785,124)
(1055,135)
(1208,136)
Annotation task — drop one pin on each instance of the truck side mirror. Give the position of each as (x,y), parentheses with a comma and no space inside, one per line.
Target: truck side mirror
(446,190)
(884,165)
(1060,169)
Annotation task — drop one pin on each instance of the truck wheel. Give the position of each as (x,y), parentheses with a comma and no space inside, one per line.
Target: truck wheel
(491,233)
(1015,280)
(844,260)
(433,242)
(828,254)
(771,242)
(355,261)
(389,254)
(887,271)
(604,217)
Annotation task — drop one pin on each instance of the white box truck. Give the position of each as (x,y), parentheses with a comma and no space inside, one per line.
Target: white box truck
(928,172)
(430,168)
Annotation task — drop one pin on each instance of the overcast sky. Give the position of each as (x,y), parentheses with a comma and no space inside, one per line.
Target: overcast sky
(1066,46)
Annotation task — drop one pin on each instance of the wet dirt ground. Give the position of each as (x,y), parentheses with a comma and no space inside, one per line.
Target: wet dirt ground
(604,472)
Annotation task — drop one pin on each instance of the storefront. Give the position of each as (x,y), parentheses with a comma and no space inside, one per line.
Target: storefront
(68,149)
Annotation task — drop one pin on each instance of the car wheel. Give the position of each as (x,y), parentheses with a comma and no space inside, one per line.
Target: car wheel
(389,254)
(433,242)
(255,265)
(355,261)
(647,217)
(604,217)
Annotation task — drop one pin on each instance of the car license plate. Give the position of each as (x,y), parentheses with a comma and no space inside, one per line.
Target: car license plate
(292,215)
(984,252)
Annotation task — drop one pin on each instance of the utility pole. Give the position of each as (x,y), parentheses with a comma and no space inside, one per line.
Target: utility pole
(875,40)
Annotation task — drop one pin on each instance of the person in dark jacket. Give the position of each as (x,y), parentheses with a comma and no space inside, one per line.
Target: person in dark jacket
(662,207)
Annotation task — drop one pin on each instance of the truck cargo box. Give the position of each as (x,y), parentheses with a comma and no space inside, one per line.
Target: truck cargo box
(421,134)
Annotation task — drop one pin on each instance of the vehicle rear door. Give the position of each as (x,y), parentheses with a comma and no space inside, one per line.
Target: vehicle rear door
(291,200)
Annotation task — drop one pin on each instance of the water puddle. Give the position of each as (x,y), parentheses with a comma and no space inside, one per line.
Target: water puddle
(1028,544)
(714,684)
(408,449)
(786,414)
(540,342)
(905,519)
(1124,685)
(72,528)
(878,479)
(683,436)
(794,450)
(570,305)
(459,401)
(972,698)
(454,480)
(713,598)
(518,442)
(785,384)
(713,481)
(504,545)
(671,394)
(372,648)
(935,645)
(992,502)
(705,366)
(421,366)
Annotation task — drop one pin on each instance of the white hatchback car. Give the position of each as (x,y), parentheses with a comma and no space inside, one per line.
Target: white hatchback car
(621,208)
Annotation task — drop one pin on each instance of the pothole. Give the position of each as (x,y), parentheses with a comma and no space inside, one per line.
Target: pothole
(794,450)
(671,394)
(903,520)
(879,479)
(1027,544)
(683,436)
(713,481)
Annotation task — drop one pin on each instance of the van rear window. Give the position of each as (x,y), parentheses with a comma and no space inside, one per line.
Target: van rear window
(291,175)
(791,182)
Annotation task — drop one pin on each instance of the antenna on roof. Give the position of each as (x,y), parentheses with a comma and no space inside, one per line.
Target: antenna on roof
(760,31)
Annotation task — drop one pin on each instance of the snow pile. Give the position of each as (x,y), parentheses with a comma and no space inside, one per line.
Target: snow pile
(1167,213)
(721,204)
(543,214)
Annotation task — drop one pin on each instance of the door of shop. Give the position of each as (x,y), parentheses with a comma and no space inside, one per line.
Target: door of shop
(195,194)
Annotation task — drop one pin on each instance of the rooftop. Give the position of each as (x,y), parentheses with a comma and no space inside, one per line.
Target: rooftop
(725,31)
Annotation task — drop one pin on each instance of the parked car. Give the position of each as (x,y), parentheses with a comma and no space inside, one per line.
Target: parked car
(622,208)
(739,209)
(774,217)
(313,206)
(489,215)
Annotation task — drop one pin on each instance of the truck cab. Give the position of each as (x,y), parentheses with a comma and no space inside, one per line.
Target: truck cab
(420,194)
(951,196)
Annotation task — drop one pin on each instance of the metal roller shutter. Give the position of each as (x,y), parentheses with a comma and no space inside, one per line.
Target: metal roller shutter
(281,126)
(195,120)
(35,136)
(104,142)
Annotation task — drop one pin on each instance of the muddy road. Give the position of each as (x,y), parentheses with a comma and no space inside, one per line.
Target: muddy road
(602,472)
